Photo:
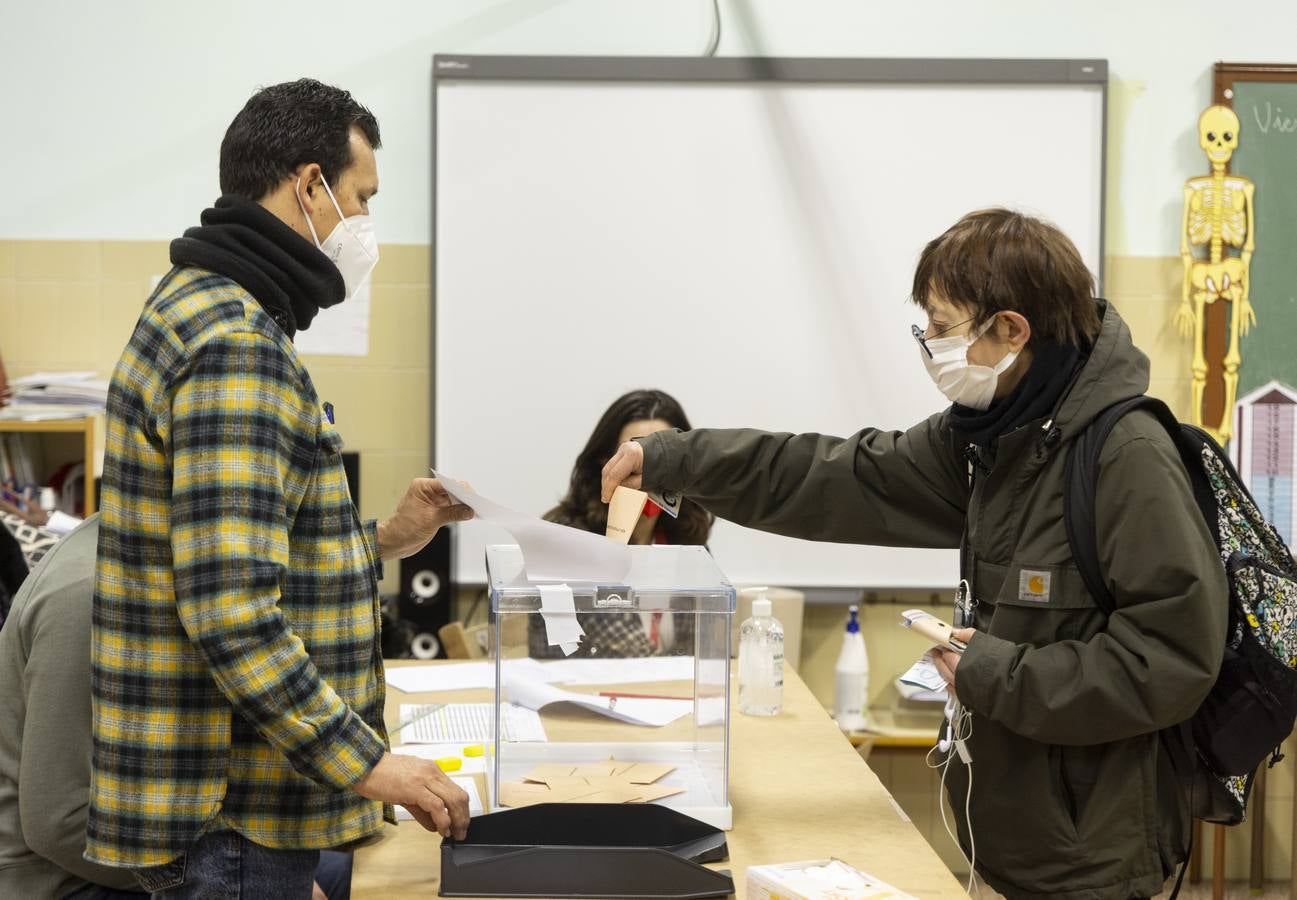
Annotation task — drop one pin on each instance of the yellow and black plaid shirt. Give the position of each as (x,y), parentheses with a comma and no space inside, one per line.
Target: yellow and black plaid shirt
(237,677)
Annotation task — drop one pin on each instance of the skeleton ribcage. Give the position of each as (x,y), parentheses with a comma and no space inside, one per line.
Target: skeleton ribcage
(1233,222)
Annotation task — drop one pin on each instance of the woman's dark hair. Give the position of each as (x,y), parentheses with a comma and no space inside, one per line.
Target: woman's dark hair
(994,260)
(582,507)
(287,125)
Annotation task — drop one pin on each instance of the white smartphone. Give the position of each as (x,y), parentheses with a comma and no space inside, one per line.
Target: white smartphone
(932,628)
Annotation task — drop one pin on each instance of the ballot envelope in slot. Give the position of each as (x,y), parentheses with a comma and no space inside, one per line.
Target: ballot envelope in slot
(631,682)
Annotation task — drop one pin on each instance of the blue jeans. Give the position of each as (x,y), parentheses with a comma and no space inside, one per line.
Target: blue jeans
(224,865)
(332,874)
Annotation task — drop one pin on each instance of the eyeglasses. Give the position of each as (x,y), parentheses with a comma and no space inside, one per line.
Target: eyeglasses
(920,334)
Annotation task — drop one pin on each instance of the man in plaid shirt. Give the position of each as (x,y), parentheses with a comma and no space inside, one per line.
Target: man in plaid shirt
(237,678)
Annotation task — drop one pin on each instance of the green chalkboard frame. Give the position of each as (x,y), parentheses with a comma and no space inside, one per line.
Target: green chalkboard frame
(1226,76)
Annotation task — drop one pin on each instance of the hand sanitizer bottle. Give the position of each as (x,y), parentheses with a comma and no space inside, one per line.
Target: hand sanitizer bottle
(851,678)
(761,660)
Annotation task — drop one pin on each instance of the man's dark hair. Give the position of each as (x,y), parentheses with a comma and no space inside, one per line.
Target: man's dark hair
(288,125)
(998,259)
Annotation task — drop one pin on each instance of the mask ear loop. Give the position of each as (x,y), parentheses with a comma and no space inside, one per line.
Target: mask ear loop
(334,200)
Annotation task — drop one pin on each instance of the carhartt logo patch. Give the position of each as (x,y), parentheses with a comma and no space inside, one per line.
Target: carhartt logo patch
(1033,586)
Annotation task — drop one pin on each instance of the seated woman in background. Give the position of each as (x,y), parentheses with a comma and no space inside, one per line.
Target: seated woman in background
(626,634)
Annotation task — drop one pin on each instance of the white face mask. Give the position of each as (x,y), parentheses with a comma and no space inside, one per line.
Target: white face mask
(351,246)
(961,381)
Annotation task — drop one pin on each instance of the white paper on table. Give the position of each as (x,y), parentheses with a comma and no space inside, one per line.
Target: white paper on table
(711,711)
(341,330)
(550,552)
(634,710)
(475,807)
(435,677)
(455,677)
(619,671)
(469,723)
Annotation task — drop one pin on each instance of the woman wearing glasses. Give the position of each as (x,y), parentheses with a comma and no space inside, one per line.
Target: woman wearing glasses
(1074,795)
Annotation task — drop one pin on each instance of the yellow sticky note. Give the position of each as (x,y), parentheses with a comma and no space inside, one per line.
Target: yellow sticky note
(450,763)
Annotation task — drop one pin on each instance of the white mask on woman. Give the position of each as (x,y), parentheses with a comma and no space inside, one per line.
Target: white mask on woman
(351,246)
(961,381)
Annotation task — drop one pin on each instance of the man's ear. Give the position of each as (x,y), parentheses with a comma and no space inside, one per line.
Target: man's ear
(307,185)
(1013,329)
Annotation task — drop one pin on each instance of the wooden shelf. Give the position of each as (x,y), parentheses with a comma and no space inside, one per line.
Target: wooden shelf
(85,425)
(47,425)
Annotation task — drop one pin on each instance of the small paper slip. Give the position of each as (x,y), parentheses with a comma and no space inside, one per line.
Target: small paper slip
(469,723)
(923,674)
(475,806)
(558,609)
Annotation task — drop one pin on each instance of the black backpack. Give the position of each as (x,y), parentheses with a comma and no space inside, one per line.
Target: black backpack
(1252,706)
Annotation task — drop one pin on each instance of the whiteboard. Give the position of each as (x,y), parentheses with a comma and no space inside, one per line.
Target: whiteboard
(746,245)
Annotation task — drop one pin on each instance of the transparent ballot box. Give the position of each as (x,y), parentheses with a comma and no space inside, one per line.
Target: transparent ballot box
(632,709)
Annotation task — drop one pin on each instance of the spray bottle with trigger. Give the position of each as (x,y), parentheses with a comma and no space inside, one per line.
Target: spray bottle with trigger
(851,677)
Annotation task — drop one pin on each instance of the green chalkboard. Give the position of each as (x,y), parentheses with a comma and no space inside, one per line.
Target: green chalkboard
(1267,154)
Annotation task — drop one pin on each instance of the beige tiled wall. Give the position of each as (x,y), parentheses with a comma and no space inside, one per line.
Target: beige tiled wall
(72,305)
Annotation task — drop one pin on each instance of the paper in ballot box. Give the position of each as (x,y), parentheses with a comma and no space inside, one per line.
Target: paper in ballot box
(820,879)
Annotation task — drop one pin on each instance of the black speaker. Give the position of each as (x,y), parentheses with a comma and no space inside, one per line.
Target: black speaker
(425,599)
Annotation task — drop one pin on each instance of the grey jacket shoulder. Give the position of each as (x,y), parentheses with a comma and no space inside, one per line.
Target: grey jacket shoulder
(68,567)
(45,734)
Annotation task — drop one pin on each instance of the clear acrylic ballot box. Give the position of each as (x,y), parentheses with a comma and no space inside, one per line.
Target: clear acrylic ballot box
(613,693)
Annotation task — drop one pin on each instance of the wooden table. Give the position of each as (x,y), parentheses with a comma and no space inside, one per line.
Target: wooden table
(798,788)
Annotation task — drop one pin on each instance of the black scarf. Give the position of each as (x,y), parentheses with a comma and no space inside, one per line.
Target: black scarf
(1052,369)
(287,274)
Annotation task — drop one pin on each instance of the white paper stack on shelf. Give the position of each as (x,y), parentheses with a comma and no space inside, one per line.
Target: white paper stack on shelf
(56,395)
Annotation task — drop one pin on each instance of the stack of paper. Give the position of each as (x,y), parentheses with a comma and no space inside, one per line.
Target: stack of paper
(605,782)
(821,879)
(56,395)
(468,723)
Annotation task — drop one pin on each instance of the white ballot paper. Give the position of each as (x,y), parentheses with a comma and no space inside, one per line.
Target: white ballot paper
(558,609)
(922,681)
(550,552)
(636,711)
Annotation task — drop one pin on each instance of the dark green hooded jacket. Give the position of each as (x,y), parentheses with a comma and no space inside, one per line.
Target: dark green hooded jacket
(1072,794)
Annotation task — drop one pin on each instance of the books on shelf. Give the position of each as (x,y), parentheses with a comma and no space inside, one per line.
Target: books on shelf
(17,452)
(21,481)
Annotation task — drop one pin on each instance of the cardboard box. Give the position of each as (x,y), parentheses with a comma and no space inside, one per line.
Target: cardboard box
(819,879)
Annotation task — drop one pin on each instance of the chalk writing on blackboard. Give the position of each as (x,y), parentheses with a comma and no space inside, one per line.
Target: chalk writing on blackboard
(1273,119)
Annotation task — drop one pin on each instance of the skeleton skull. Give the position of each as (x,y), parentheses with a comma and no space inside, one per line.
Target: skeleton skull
(1218,133)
